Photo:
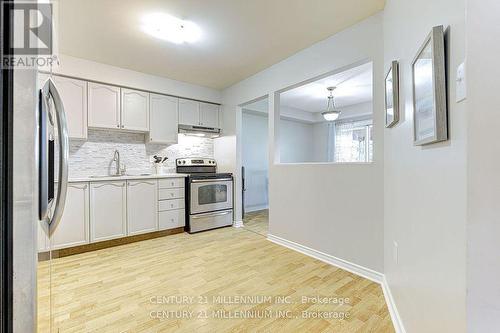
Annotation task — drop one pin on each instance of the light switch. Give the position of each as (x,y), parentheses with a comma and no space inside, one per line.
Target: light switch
(461,90)
(395,252)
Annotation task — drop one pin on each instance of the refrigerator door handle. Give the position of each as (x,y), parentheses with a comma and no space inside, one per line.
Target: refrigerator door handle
(49,90)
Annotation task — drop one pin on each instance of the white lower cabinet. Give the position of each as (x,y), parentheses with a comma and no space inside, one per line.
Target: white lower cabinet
(170,219)
(142,201)
(104,210)
(73,229)
(108,210)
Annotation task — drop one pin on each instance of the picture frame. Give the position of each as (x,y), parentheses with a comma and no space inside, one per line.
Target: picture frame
(430,118)
(392,95)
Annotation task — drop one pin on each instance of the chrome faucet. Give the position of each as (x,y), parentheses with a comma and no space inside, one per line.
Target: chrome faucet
(116,159)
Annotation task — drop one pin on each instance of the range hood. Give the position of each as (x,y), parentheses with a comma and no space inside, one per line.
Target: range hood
(200,131)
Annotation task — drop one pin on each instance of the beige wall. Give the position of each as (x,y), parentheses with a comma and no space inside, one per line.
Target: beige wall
(425,187)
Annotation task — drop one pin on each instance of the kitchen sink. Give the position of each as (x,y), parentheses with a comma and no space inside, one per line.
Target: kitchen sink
(125,175)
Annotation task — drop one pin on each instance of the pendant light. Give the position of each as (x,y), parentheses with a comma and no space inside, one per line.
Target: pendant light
(331,112)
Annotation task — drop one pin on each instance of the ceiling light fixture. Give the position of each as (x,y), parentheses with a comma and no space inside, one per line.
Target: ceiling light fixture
(331,112)
(170,28)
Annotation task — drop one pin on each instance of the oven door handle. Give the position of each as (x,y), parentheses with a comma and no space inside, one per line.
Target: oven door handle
(199,216)
(211,180)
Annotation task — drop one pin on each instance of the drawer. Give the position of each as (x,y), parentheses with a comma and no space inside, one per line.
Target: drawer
(172,219)
(170,204)
(170,193)
(171,183)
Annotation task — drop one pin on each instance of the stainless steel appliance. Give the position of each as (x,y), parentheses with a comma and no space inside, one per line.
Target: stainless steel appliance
(209,198)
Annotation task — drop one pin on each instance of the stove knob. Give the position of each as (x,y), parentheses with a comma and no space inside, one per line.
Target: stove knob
(183,162)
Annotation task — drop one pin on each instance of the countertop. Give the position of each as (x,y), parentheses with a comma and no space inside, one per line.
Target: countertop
(125,177)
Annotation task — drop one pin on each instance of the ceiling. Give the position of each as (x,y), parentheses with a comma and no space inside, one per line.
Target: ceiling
(240,37)
(353,86)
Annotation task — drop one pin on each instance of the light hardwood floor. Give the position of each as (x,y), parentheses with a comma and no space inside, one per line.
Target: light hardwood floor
(124,289)
(257,221)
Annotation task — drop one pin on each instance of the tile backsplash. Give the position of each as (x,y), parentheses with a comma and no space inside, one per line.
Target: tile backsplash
(95,155)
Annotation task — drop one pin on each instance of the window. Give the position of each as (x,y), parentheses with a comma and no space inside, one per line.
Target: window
(352,141)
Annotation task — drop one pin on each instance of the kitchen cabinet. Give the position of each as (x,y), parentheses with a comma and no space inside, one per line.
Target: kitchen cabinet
(189,112)
(74,96)
(108,210)
(171,203)
(43,239)
(104,106)
(73,229)
(134,110)
(163,119)
(209,115)
(142,208)
(198,114)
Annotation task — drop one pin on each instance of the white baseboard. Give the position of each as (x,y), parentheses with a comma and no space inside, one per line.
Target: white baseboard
(329,259)
(256,208)
(237,224)
(367,273)
(393,310)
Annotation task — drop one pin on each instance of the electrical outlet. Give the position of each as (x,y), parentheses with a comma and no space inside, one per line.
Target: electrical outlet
(395,252)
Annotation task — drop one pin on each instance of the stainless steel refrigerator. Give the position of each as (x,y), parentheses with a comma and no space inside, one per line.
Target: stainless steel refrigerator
(34,178)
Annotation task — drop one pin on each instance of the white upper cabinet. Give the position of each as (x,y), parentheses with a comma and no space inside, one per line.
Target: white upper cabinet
(163,119)
(209,115)
(103,106)
(73,229)
(189,113)
(108,210)
(135,110)
(142,211)
(74,96)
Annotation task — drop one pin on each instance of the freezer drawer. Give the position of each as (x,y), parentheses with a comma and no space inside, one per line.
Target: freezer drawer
(206,221)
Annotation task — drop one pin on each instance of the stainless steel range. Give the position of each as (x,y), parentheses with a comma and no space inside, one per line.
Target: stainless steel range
(209,197)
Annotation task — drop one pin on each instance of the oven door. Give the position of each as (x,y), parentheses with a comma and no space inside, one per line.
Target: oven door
(208,195)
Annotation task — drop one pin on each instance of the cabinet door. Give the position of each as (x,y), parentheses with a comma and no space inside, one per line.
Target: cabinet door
(163,119)
(43,239)
(103,106)
(189,112)
(73,229)
(74,96)
(142,206)
(108,211)
(135,110)
(209,115)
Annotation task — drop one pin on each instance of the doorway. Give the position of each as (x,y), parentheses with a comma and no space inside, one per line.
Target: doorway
(255,166)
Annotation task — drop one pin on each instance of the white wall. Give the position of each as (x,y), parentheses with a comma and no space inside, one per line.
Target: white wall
(91,70)
(255,160)
(318,205)
(425,187)
(296,141)
(483,232)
